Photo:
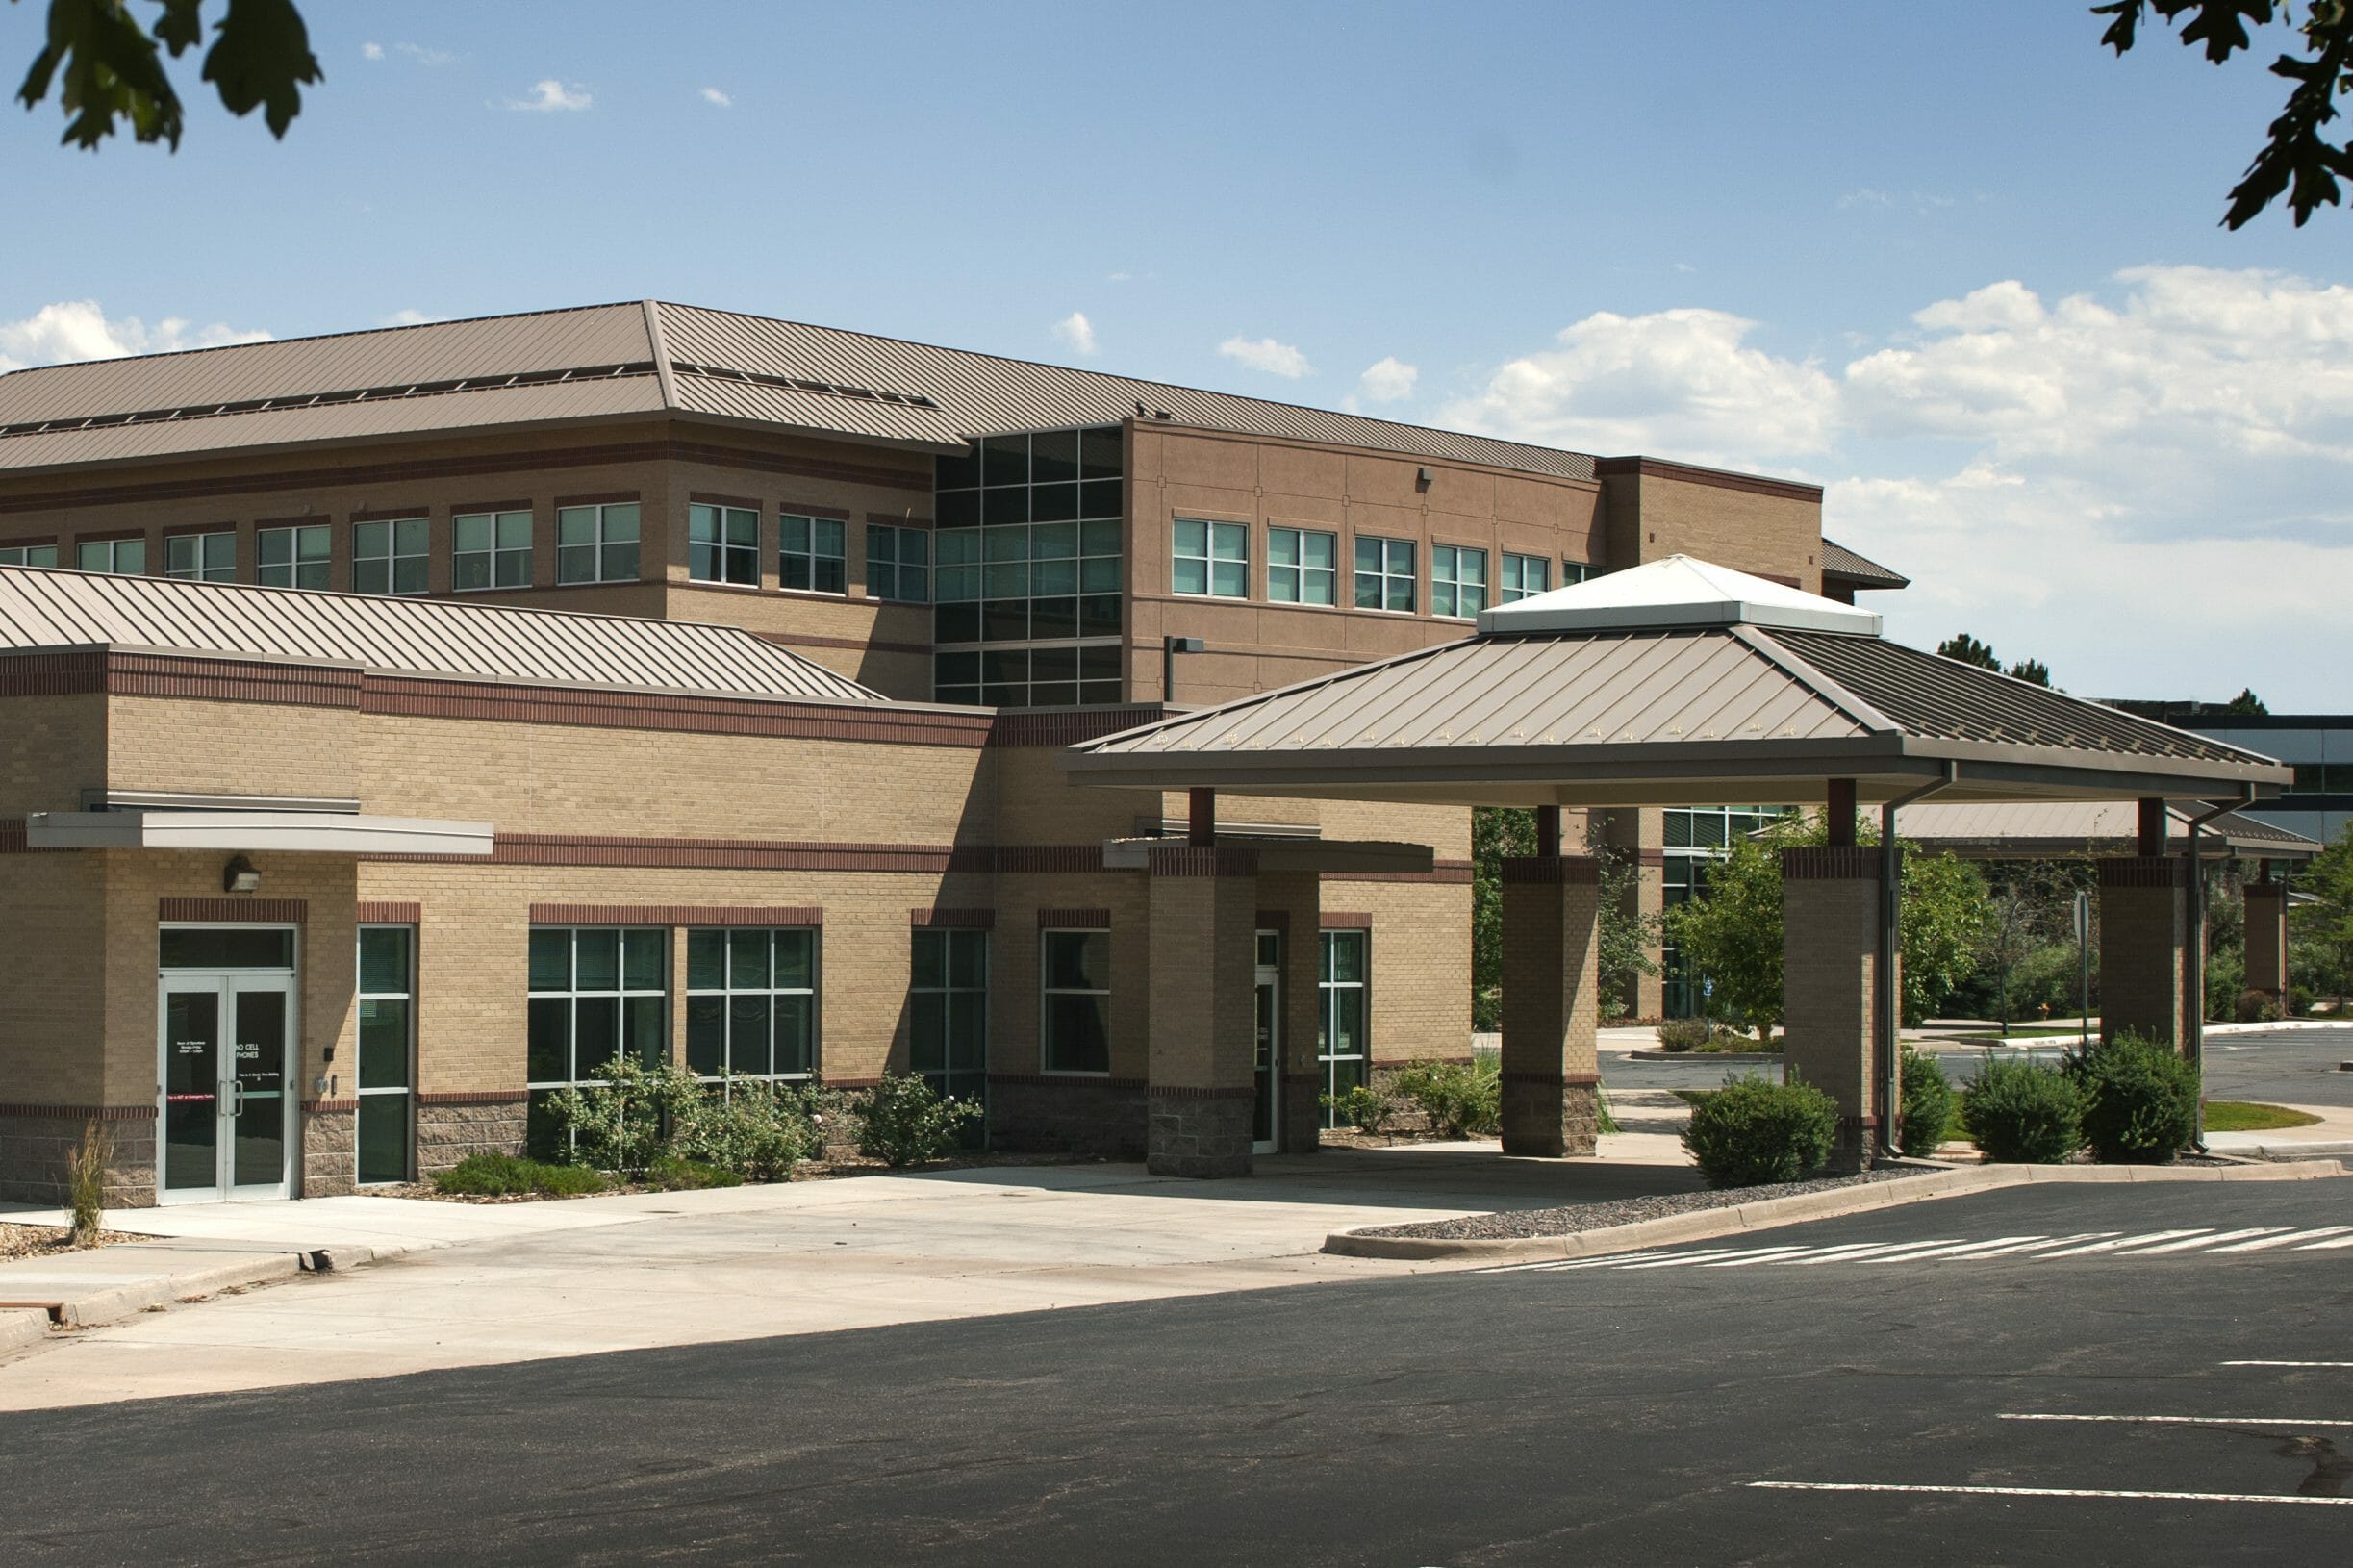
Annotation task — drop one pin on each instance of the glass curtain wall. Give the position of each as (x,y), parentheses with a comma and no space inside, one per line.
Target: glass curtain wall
(1697,837)
(1027,569)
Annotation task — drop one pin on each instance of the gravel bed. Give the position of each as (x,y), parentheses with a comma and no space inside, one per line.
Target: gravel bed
(34,1240)
(1564,1222)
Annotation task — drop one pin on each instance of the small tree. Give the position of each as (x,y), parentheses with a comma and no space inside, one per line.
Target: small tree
(1967,649)
(1623,936)
(2247,702)
(2328,920)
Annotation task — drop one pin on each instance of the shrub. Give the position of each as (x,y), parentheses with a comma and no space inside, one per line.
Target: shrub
(1461,1101)
(85,1183)
(620,1123)
(1683,1033)
(504,1175)
(1605,1122)
(1928,1104)
(1363,1108)
(671,1173)
(2139,1101)
(747,1126)
(902,1121)
(2257,1007)
(1752,1132)
(2021,1114)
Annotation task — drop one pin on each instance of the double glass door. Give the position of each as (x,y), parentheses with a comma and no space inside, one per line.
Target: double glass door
(227,1112)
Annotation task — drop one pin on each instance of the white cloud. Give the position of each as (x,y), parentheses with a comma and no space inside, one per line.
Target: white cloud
(417,53)
(1076,333)
(405,318)
(78,329)
(1266,354)
(712,95)
(372,51)
(551,96)
(1387,381)
(2144,485)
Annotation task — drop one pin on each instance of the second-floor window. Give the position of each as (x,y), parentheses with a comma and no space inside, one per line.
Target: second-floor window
(1211,559)
(209,558)
(1573,572)
(596,543)
(388,556)
(1524,576)
(1385,573)
(1458,580)
(493,550)
(722,545)
(1301,565)
(811,555)
(898,564)
(295,557)
(28,555)
(128,556)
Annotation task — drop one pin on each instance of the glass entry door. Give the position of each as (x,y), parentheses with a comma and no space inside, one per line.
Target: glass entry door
(227,1112)
(1266,1125)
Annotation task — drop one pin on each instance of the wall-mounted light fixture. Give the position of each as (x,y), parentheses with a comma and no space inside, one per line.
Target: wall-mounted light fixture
(240,876)
(1422,478)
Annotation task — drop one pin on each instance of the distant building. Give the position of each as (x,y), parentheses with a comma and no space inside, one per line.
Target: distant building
(2318,746)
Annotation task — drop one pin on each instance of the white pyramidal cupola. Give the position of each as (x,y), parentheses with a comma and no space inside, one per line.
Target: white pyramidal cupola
(1677,591)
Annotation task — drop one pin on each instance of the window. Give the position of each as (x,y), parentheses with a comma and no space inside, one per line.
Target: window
(1385,573)
(1458,580)
(1301,565)
(128,556)
(1344,990)
(388,556)
(1573,572)
(387,1001)
(1524,576)
(752,1002)
(1696,838)
(810,554)
(722,545)
(597,992)
(947,1012)
(1077,969)
(209,558)
(1212,558)
(596,543)
(28,555)
(898,564)
(1032,564)
(493,550)
(294,556)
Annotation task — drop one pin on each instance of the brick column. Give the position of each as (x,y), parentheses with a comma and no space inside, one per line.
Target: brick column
(1829,972)
(1202,1035)
(2267,940)
(2146,977)
(1291,903)
(1639,832)
(1552,1078)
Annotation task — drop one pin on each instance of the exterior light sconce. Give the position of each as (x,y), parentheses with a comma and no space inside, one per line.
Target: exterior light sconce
(240,876)
(1170,648)
(1422,478)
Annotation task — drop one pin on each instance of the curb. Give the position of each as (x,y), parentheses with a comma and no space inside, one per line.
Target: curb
(1704,1225)
(28,1327)
(27,1323)
(1729,1058)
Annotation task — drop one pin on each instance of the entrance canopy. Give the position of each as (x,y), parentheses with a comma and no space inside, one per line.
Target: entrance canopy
(1674,683)
(2087,830)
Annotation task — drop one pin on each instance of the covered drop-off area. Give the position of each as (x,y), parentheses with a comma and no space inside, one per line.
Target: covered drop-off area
(1674,683)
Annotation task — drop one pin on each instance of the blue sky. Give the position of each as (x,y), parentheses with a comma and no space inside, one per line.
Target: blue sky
(1956,263)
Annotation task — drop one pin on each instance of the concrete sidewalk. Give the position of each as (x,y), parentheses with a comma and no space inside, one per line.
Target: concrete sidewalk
(2332,1134)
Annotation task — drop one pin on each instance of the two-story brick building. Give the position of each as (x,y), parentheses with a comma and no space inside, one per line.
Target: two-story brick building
(775,789)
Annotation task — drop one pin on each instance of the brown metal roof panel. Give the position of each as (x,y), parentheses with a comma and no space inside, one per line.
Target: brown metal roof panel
(437,351)
(1838,561)
(728,398)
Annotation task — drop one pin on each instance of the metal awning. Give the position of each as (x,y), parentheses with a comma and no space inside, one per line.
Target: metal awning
(1674,683)
(283,832)
(2062,829)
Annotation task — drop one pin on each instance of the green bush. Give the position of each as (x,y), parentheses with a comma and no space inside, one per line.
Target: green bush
(1363,1108)
(504,1175)
(1928,1104)
(2139,1101)
(1682,1033)
(2020,1114)
(1462,1101)
(902,1121)
(620,1121)
(2257,1007)
(671,1173)
(748,1126)
(1752,1132)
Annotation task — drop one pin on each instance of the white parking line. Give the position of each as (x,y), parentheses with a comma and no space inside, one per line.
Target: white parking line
(2188,1421)
(2047,1491)
(2283,1241)
(1679,1260)
(1853,1249)
(1956,1248)
(2326,1246)
(1763,1255)
(2288,1363)
(2040,1243)
(2129,1241)
(2202,1242)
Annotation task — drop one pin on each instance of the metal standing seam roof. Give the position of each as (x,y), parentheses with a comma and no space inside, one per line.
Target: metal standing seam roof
(1677,715)
(679,358)
(1838,561)
(1988,830)
(45,609)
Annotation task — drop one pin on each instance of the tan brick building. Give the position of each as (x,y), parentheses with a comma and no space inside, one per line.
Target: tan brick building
(833,604)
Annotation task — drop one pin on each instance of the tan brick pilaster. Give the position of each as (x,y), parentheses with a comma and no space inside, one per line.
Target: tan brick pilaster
(1552,1079)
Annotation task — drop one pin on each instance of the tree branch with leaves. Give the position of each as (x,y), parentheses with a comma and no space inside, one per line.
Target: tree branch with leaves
(107,67)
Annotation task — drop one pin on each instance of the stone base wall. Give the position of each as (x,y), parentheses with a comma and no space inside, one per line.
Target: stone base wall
(1548,1118)
(35,1150)
(330,1152)
(1100,1117)
(446,1135)
(1200,1135)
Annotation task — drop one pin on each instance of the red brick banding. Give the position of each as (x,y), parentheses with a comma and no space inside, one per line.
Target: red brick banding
(678,915)
(1346,919)
(1553,871)
(1831,863)
(475,1096)
(269,911)
(2144,871)
(33,1112)
(957,920)
(384,912)
(1074,920)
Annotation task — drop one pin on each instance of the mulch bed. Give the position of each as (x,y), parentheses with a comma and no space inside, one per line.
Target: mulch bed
(819,1170)
(1581,1217)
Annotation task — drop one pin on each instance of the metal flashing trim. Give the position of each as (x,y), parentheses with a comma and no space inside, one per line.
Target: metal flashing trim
(279,832)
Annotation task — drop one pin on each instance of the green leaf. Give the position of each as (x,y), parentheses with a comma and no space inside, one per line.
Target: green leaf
(262,57)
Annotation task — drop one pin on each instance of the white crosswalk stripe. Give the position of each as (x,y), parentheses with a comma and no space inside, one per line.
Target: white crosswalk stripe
(2103,1245)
